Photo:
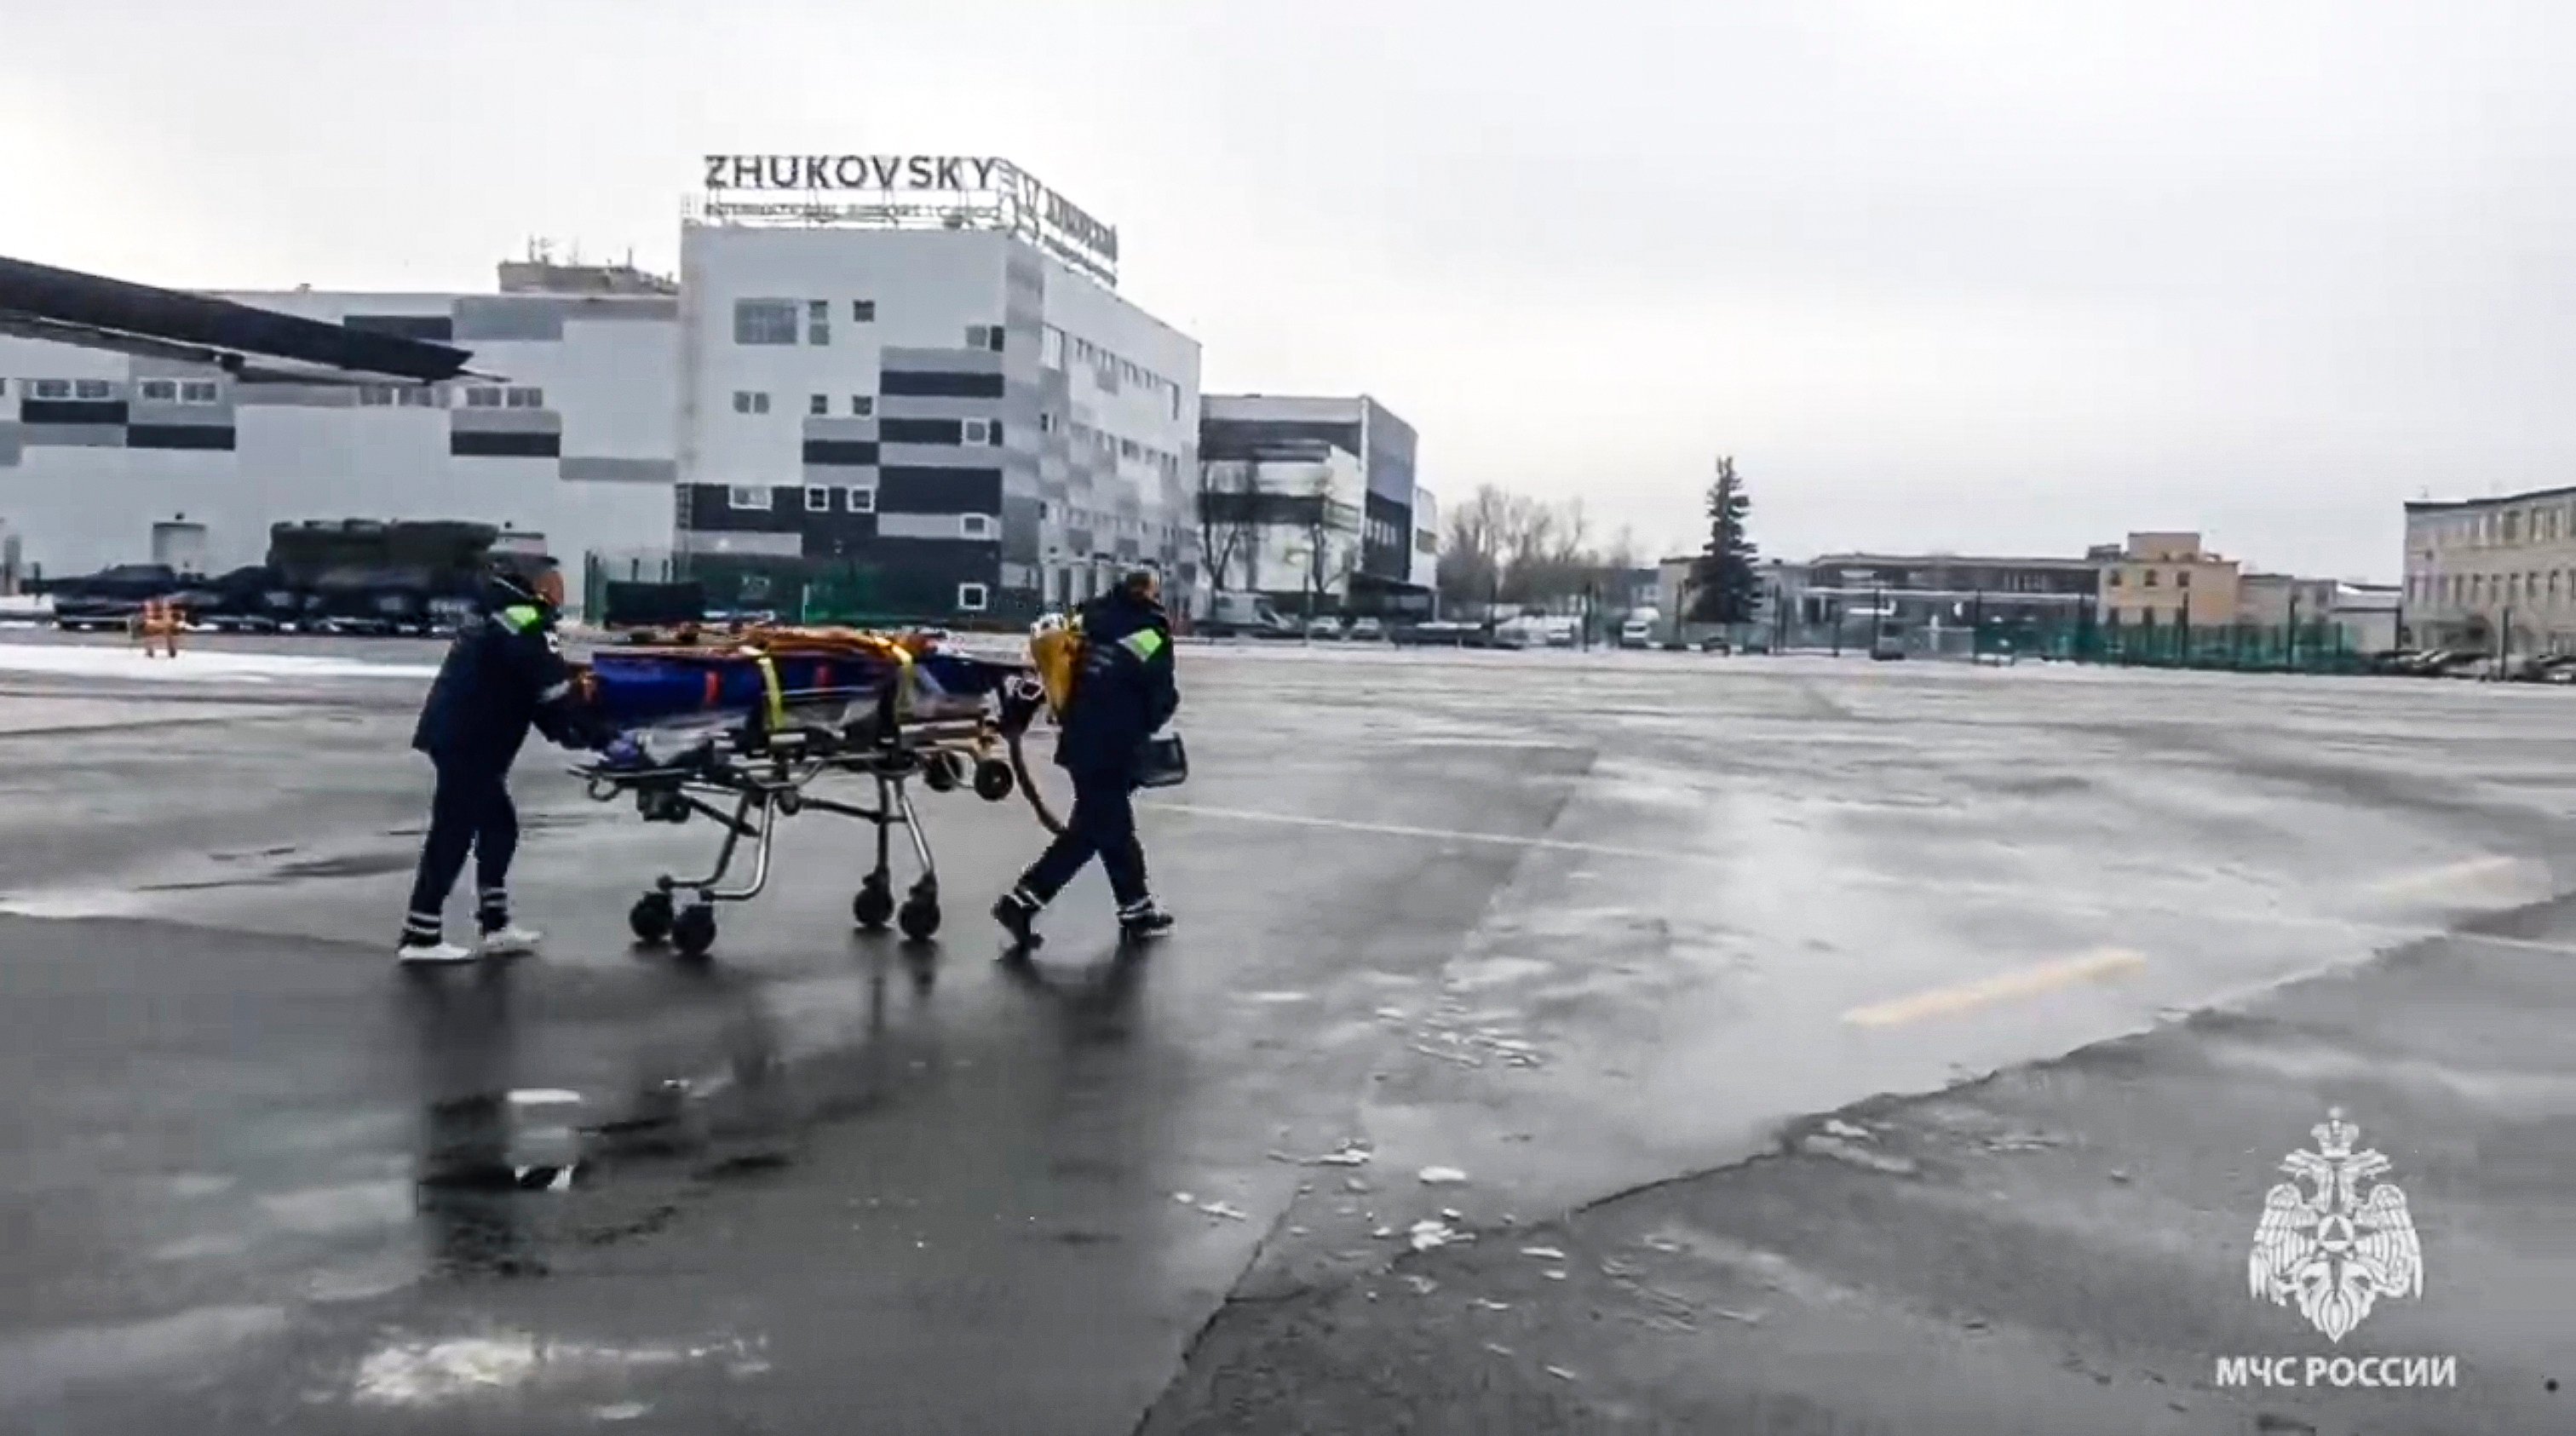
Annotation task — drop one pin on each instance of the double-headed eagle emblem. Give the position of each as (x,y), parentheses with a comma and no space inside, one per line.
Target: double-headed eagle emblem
(2335,1250)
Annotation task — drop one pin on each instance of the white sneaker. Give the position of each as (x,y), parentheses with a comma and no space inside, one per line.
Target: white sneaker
(511,941)
(431,953)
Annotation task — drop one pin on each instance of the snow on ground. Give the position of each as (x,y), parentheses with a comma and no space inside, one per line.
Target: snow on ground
(202,665)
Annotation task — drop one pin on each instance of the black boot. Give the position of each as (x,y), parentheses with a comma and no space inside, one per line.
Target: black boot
(1142,922)
(1017,912)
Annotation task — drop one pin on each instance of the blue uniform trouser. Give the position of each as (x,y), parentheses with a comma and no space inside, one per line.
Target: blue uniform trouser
(1103,824)
(470,812)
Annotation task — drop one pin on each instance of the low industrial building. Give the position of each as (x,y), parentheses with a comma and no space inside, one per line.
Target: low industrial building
(2165,580)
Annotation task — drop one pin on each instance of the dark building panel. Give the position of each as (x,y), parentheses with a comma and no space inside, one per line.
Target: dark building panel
(71,411)
(851,453)
(482,444)
(435,328)
(1386,548)
(179,436)
(838,535)
(1252,438)
(904,490)
(711,510)
(940,385)
(921,431)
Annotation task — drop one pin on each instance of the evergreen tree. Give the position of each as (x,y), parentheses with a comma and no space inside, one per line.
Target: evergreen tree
(1724,586)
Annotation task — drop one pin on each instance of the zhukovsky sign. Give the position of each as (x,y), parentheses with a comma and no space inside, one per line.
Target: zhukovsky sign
(968,177)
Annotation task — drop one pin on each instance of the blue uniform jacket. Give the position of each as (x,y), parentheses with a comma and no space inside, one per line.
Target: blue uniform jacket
(504,674)
(1124,690)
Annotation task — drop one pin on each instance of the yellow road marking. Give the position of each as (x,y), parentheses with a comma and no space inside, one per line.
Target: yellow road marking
(2094,966)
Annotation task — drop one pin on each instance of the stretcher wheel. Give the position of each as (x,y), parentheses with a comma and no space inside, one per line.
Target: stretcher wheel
(651,917)
(993,780)
(695,931)
(919,919)
(941,771)
(873,905)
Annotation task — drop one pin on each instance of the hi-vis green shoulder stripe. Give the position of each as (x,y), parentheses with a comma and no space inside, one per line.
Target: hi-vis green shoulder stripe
(1144,643)
(520,617)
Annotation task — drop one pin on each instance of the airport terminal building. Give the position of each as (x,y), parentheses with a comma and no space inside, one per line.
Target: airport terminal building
(893,386)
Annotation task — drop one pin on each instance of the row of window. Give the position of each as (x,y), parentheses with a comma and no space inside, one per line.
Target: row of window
(787,321)
(2541,524)
(1113,449)
(2182,578)
(818,500)
(1114,373)
(777,321)
(757,498)
(435,396)
(2476,589)
(150,391)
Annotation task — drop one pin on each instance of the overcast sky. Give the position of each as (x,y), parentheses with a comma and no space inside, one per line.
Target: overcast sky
(1941,275)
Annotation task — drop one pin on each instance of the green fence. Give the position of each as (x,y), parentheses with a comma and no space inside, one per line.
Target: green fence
(2322,647)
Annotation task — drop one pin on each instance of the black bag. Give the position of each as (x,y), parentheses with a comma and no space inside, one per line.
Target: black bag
(1162,762)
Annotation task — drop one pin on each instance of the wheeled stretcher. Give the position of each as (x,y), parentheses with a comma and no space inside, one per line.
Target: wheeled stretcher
(742,730)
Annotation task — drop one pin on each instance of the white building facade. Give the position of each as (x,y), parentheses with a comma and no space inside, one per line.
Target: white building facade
(96,448)
(916,396)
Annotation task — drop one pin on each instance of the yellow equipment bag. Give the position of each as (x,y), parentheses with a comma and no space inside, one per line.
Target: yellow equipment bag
(1055,647)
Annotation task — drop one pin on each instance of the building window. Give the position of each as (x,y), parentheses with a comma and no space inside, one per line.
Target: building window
(2183,579)
(370,395)
(819,405)
(859,501)
(416,396)
(2151,578)
(747,496)
(764,321)
(1051,347)
(94,389)
(2115,578)
(200,391)
(993,433)
(160,391)
(526,398)
(972,597)
(978,336)
(975,526)
(974,431)
(49,388)
(863,406)
(818,322)
(746,401)
(996,334)
(818,501)
(483,396)
(863,311)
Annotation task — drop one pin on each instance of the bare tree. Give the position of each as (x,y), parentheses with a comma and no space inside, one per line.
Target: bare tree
(1226,527)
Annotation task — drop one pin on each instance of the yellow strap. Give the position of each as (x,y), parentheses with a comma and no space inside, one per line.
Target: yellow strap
(777,699)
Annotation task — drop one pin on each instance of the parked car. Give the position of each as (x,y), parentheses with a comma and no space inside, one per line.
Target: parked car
(1367,630)
(1324,625)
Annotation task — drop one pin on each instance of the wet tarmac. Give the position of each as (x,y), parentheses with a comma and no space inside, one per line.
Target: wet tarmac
(1566,927)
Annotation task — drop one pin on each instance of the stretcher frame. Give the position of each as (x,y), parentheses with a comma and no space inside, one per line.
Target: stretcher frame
(763,769)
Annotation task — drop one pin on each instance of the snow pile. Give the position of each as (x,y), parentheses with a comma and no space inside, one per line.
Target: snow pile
(196,665)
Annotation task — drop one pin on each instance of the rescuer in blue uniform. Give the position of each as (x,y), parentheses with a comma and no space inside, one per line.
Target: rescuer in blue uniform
(504,674)
(1122,694)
